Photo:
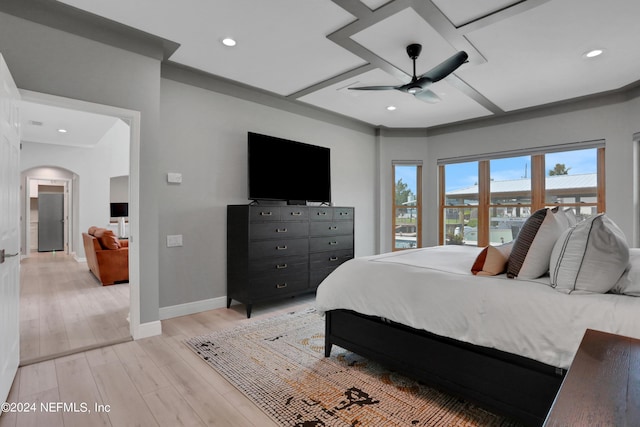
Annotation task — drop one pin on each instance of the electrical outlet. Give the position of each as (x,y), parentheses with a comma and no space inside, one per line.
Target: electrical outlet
(174,240)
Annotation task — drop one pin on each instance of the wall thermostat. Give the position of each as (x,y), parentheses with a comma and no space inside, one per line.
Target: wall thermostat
(174,177)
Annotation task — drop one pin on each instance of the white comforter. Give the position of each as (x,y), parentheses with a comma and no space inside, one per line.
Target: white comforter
(433,289)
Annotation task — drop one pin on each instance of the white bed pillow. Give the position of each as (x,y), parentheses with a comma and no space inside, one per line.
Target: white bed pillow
(571,216)
(589,257)
(532,248)
(629,282)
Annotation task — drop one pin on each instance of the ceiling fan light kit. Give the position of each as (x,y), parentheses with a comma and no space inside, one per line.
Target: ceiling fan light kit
(418,84)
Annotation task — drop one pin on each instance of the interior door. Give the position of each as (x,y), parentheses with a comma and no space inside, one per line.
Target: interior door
(50,222)
(9,230)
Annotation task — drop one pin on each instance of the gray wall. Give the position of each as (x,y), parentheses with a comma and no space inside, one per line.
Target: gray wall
(204,137)
(43,59)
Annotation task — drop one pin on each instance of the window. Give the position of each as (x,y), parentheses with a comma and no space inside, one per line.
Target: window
(461,203)
(487,201)
(407,205)
(510,199)
(572,181)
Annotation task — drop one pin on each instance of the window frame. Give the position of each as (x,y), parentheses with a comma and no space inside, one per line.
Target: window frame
(538,191)
(394,207)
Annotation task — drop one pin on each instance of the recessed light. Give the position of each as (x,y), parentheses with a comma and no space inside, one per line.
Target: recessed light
(391,108)
(62,130)
(593,53)
(228,41)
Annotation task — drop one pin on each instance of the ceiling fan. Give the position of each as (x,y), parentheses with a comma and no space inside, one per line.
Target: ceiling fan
(418,85)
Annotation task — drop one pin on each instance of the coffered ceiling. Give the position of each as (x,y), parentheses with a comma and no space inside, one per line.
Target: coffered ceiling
(522,54)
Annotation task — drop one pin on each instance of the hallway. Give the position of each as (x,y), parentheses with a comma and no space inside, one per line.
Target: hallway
(64,309)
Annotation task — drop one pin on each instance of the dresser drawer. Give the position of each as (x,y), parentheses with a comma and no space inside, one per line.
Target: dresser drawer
(278,248)
(333,228)
(279,265)
(264,213)
(330,259)
(317,276)
(321,213)
(343,214)
(272,286)
(294,213)
(330,243)
(278,230)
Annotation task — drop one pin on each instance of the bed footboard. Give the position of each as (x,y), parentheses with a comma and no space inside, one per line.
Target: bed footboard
(509,384)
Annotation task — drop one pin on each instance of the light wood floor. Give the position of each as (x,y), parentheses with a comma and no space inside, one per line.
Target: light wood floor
(155,381)
(64,308)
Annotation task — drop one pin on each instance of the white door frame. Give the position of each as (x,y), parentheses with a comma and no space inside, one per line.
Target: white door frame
(132,118)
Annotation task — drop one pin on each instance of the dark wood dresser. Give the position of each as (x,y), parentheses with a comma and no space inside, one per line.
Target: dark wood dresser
(279,251)
(602,386)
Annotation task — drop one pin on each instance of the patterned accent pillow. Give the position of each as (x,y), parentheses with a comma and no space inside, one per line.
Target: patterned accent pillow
(590,257)
(492,260)
(529,258)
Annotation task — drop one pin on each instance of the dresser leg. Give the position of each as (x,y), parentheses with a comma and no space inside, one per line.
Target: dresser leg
(327,349)
(248,311)
(228,302)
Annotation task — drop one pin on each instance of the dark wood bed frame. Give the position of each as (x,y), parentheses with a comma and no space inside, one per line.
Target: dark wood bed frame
(505,383)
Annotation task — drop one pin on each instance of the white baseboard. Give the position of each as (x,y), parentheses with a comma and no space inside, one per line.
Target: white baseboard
(192,307)
(149,329)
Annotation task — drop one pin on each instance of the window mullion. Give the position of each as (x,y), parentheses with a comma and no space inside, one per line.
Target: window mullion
(484,197)
(538,174)
(602,207)
(442,216)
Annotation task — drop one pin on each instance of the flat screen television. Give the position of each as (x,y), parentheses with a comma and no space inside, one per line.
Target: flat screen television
(119,210)
(280,169)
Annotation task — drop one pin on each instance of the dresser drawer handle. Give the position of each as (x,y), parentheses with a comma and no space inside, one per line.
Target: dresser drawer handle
(281,230)
(281,248)
(281,266)
(335,227)
(266,213)
(333,258)
(333,243)
(322,213)
(281,285)
(296,213)
(344,213)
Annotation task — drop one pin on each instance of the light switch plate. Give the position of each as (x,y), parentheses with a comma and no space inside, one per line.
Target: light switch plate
(174,177)
(174,240)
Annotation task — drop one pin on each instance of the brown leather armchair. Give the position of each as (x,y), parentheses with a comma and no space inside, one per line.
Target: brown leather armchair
(107,257)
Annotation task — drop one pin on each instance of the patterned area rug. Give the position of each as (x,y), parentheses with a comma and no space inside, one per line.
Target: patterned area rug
(279,364)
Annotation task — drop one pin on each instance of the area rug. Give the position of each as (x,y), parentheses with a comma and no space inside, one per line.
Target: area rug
(279,364)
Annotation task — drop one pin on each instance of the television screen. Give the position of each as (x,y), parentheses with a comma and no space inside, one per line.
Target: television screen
(280,169)
(119,210)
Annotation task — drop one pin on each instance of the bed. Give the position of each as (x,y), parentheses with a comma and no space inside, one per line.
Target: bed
(503,343)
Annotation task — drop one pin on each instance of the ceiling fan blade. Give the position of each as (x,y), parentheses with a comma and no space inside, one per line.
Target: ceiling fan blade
(445,68)
(373,88)
(427,96)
